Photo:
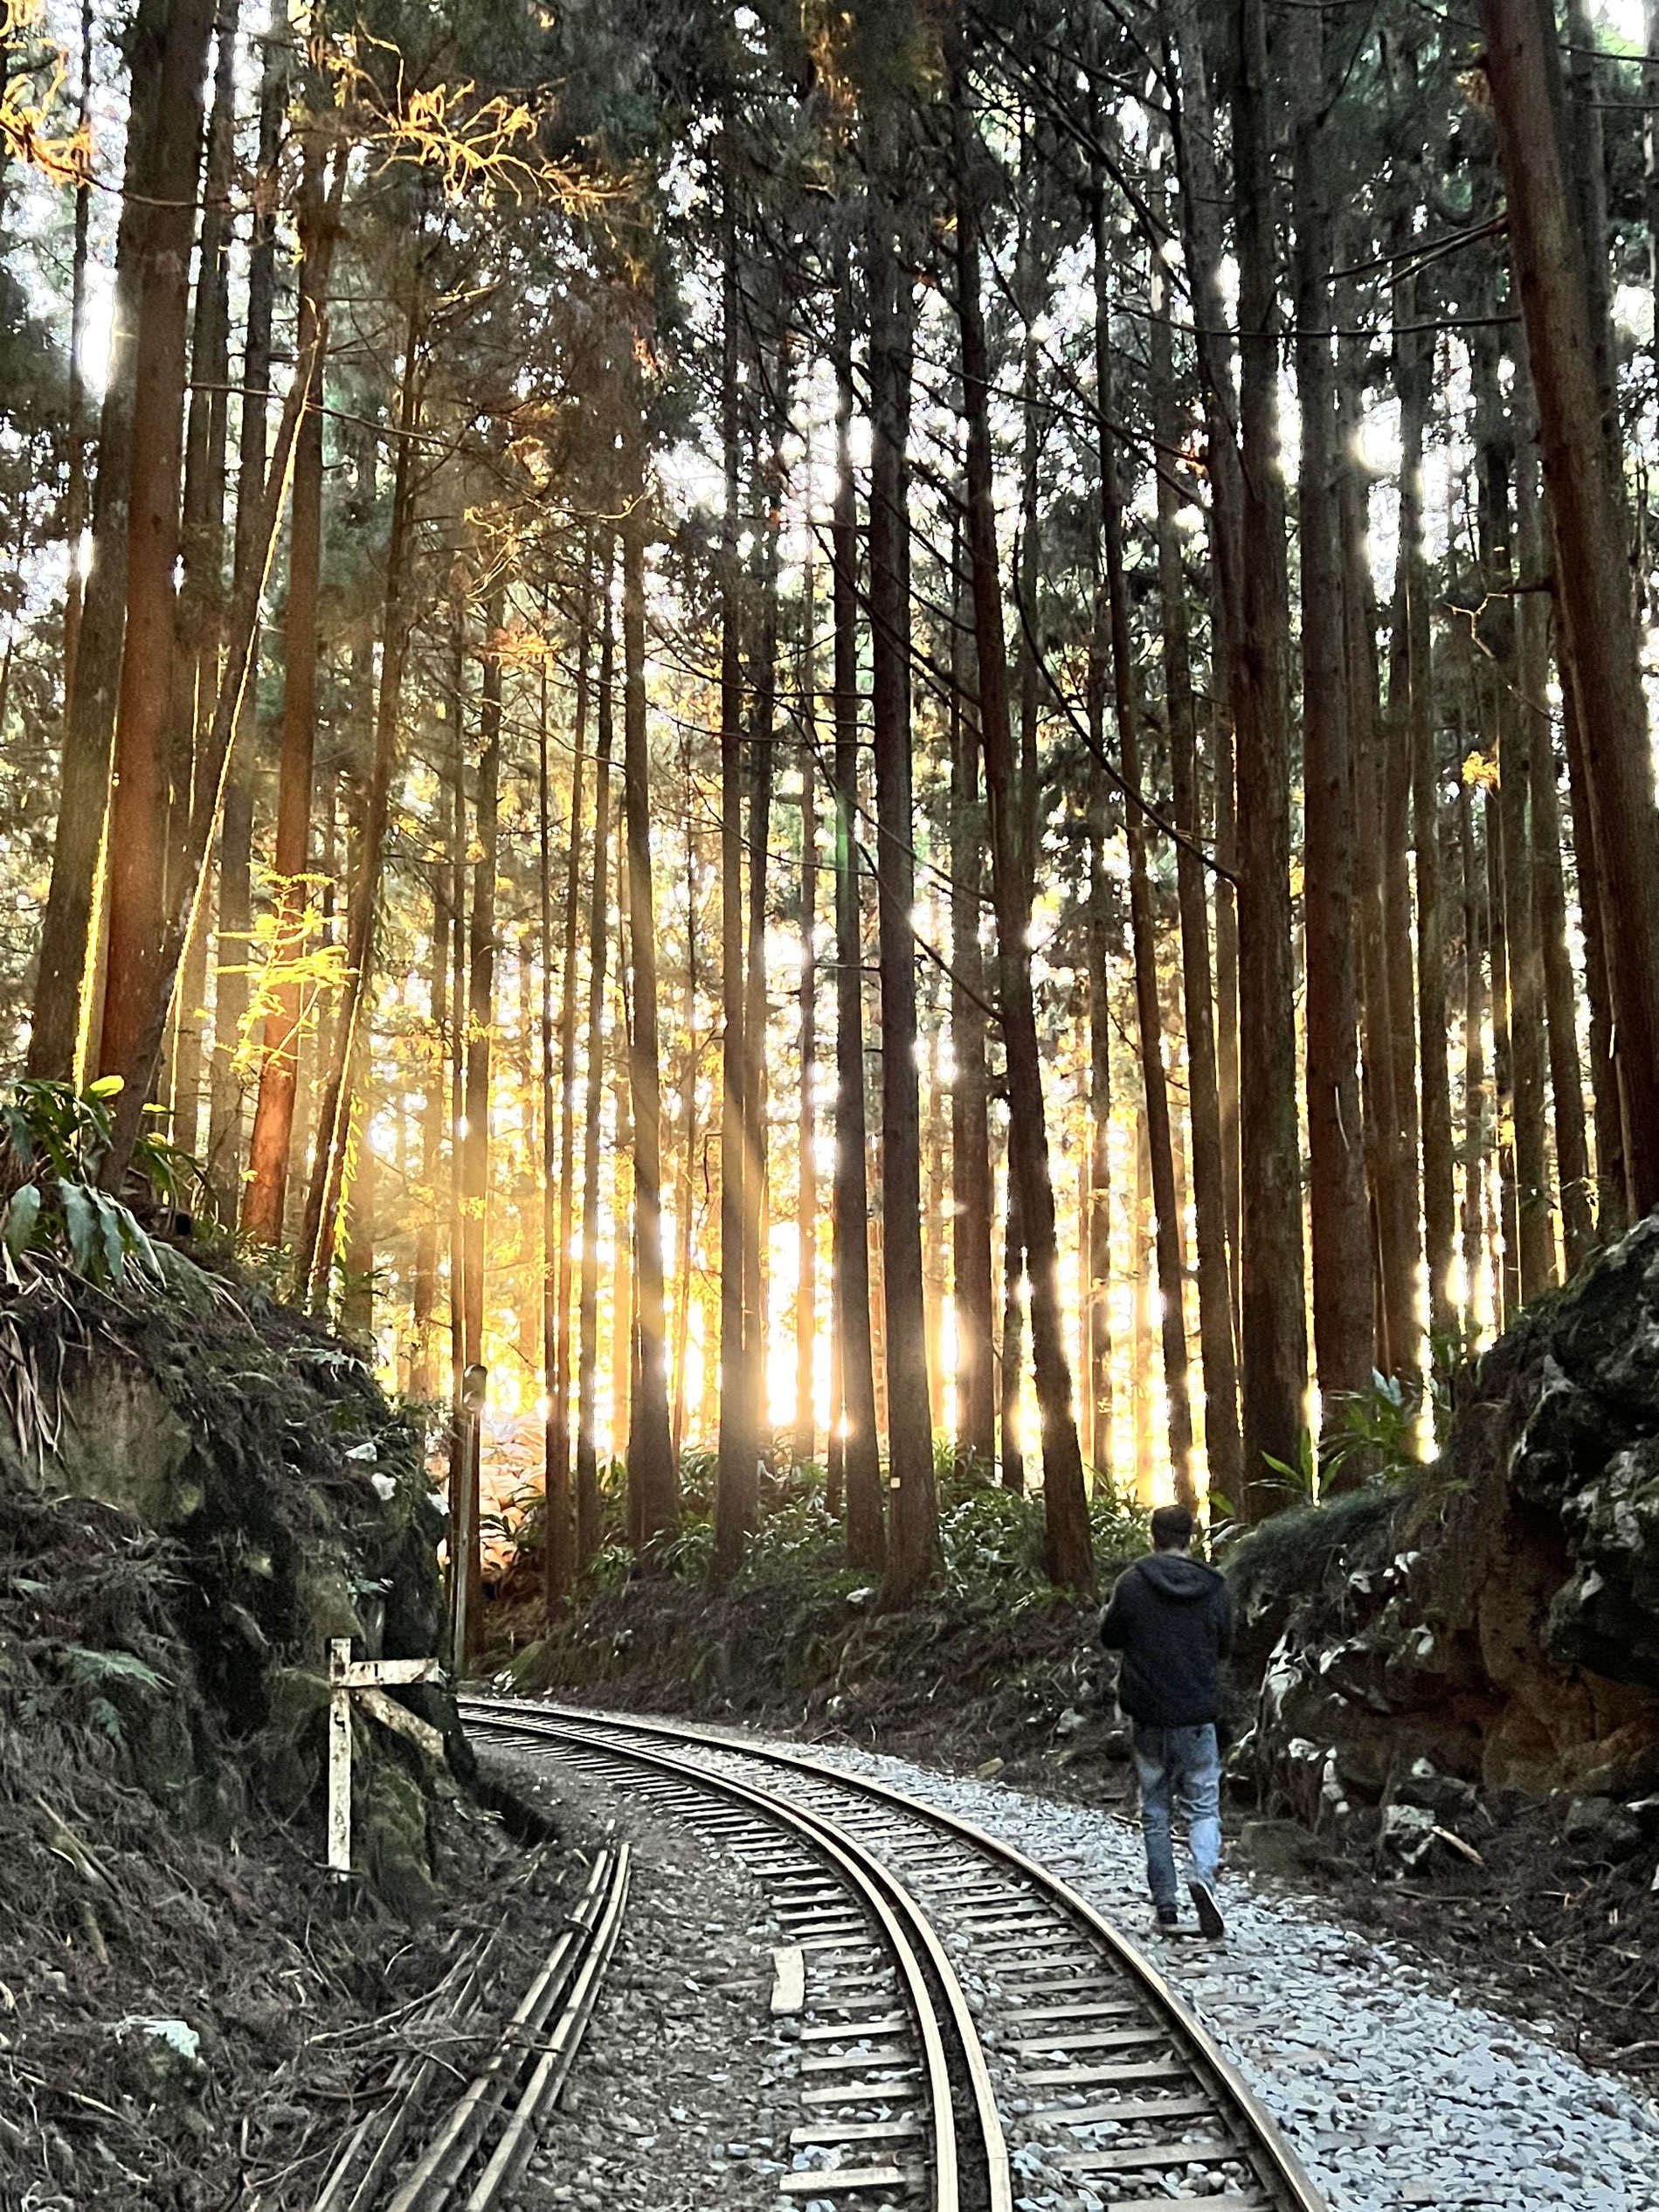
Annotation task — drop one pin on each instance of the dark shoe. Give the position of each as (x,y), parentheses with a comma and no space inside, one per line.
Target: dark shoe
(1168,1920)
(1209,1913)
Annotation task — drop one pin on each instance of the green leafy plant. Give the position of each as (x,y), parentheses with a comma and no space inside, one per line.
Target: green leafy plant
(96,1671)
(54,1141)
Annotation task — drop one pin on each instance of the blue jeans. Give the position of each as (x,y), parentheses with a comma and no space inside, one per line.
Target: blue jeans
(1179,1768)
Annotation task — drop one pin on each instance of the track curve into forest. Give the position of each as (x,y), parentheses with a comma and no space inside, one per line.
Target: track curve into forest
(1066,2026)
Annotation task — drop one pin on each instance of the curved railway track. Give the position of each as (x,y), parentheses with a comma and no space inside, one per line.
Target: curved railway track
(1066,2050)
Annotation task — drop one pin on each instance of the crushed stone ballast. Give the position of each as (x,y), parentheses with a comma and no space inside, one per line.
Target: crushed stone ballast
(1395,2091)
(1106,2091)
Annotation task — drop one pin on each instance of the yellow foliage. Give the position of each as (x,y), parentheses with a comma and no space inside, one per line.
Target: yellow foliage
(470,143)
(26,105)
(1480,771)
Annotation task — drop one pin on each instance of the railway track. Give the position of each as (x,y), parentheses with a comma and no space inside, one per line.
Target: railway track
(969,2019)
(471,2154)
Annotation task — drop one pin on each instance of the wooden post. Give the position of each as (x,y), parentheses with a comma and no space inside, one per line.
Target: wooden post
(368,1677)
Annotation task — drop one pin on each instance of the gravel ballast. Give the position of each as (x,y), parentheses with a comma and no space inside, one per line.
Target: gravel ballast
(685,2088)
(1395,2093)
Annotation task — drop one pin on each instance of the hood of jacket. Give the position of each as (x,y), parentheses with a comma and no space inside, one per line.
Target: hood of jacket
(1172,1574)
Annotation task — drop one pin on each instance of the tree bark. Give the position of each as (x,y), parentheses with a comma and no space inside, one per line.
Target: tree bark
(1273,1325)
(200,609)
(1223,1446)
(241,631)
(1012,1366)
(970,1088)
(317,1244)
(1339,1230)
(1069,1554)
(1475,1058)
(1414,373)
(757,1004)
(1142,925)
(234,947)
(857,1448)
(1097,1226)
(805,1441)
(137,814)
(1598,641)
(913,1548)
(650,1447)
(587,1458)
(75,429)
(558,1151)
(61,972)
(289,997)
(735,1490)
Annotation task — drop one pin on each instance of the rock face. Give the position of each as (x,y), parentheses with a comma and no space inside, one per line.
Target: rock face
(1495,1622)
(255,1454)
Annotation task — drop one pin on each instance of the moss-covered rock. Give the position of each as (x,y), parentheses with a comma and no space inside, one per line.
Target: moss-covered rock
(1495,1621)
(283,1502)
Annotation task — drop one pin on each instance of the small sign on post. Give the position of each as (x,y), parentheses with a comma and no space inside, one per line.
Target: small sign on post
(368,1679)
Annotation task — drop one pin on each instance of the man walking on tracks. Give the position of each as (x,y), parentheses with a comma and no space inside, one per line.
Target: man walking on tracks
(1172,1617)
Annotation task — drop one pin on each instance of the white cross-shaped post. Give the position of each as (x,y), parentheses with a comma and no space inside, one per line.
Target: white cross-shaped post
(366,1679)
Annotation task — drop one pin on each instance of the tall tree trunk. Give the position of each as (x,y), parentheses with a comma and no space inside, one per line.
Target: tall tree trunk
(587,1458)
(691,1077)
(1612,1207)
(650,1447)
(1143,924)
(424,1295)
(805,1441)
(1475,1057)
(1142,1277)
(558,1147)
(763,689)
(1391,1155)
(1199,199)
(480,1037)
(1272,1324)
(1012,1363)
(195,672)
(736,1491)
(1518,995)
(317,1244)
(234,948)
(1339,1231)
(138,805)
(1549,892)
(1528,703)
(1600,646)
(272,1141)
(1069,1554)
(1509,1280)
(970,1087)
(1097,1224)
(1223,1454)
(183,914)
(75,429)
(913,1546)
(1414,373)
(857,1447)
(61,972)
(624,1341)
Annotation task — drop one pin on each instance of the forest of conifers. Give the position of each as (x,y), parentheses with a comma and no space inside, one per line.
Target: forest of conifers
(842,733)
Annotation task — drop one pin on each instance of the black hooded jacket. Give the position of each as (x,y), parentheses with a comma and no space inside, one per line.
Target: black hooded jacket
(1172,1617)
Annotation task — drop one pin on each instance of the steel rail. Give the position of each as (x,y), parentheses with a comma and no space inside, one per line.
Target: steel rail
(549,2021)
(943,2018)
(1277,2166)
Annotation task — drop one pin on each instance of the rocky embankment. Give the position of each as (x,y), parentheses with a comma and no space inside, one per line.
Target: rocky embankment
(1494,1626)
(198,1488)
